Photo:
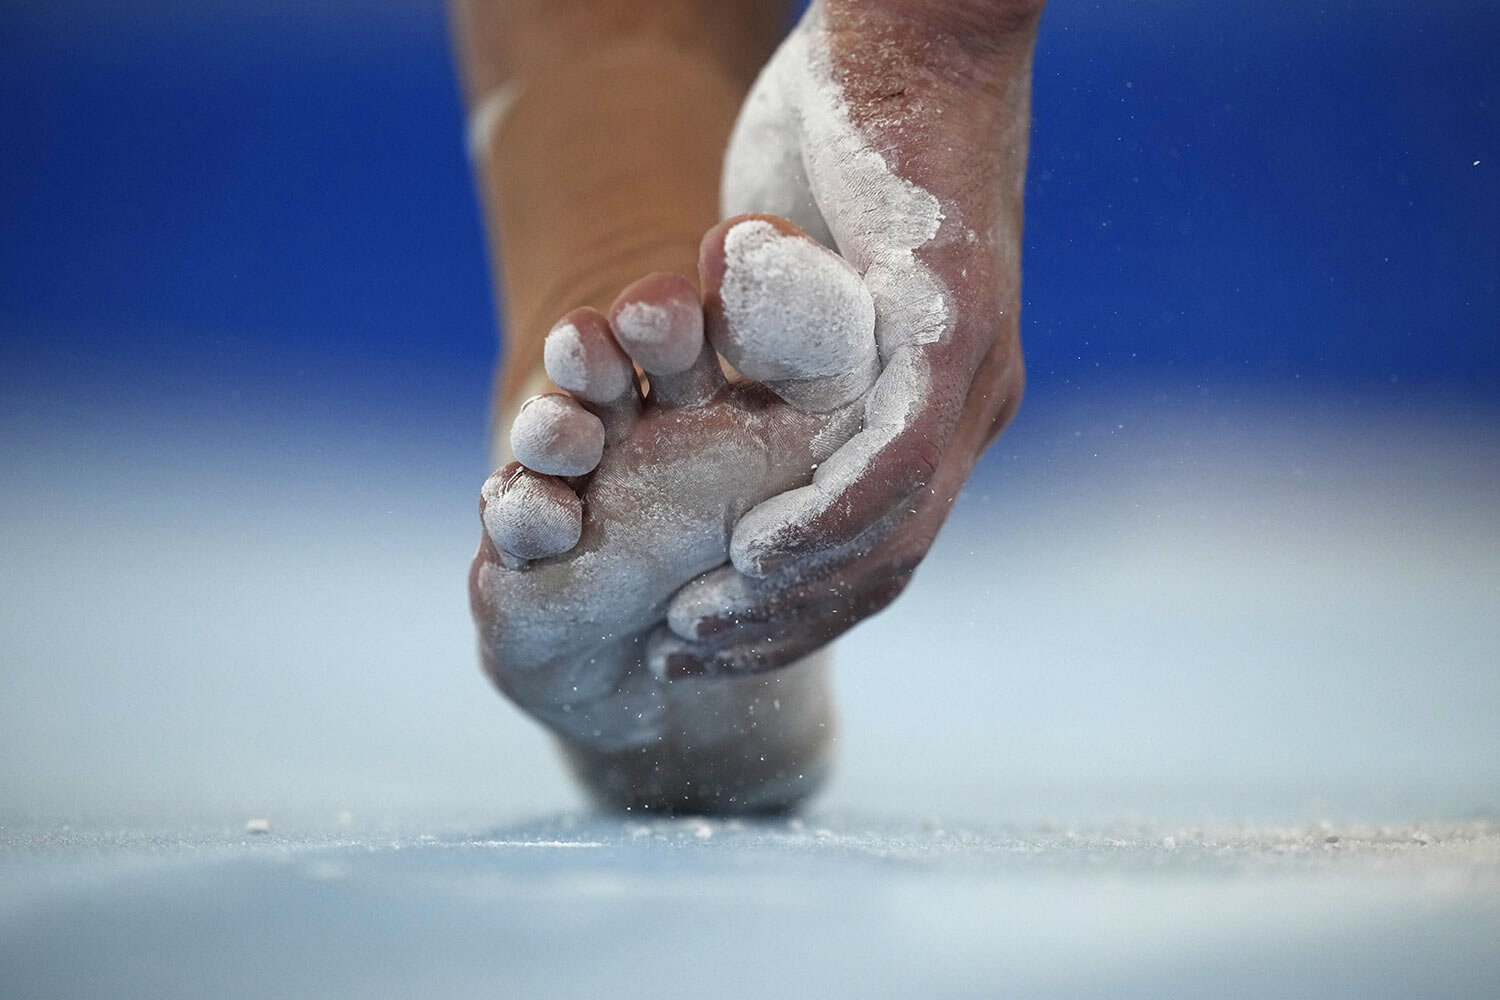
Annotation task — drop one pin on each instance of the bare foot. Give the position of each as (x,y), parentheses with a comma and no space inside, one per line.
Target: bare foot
(617,499)
(895,132)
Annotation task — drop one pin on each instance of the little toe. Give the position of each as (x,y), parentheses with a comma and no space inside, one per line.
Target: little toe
(581,356)
(554,435)
(528,515)
(788,312)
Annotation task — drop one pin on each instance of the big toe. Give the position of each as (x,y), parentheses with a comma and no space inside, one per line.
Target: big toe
(788,312)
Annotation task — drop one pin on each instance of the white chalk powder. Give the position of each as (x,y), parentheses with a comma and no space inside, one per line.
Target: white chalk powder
(553,435)
(878,221)
(644,322)
(775,524)
(665,338)
(563,355)
(591,369)
(531,517)
(763,171)
(795,311)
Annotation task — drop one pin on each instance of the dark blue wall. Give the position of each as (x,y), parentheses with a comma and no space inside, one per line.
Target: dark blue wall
(1276,188)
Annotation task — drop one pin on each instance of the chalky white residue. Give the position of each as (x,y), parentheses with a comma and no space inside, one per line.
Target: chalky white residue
(591,369)
(878,220)
(553,435)
(525,518)
(763,171)
(774,525)
(645,322)
(665,338)
(564,358)
(571,634)
(795,311)
(597,371)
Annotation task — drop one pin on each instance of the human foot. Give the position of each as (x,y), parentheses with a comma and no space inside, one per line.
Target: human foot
(896,132)
(618,500)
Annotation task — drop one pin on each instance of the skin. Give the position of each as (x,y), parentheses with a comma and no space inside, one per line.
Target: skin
(601,171)
(897,62)
(572,624)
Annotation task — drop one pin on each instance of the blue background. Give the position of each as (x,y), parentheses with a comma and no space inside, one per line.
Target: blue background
(1283,189)
(1233,576)
(1239,553)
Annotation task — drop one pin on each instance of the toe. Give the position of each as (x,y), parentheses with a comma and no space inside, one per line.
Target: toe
(581,356)
(788,312)
(554,435)
(659,322)
(529,515)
